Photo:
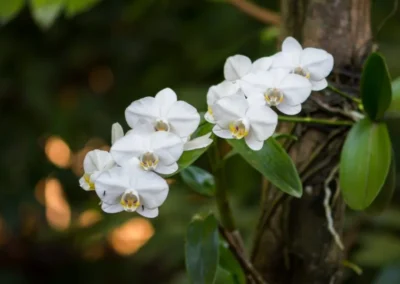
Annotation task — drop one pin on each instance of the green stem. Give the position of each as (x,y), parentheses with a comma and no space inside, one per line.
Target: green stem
(221,194)
(314,120)
(343,94)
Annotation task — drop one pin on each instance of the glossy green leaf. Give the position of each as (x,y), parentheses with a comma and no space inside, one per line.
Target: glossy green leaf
(376,89)
(45,12)
(9,9)
(224,277)
(199,180)
(74,7)
(364,163)
(394,108)
(274,163)
(228,262)
(384,197)
(189,157)
(202,250)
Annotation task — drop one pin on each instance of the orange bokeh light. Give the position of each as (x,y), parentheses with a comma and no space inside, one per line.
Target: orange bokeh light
(58,212)
(89,218)
(131,236)
(58,152)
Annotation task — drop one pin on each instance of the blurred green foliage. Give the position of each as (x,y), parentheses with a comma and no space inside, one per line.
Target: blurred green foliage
(69,71)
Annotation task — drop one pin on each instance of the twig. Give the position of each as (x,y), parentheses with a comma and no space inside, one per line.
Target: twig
(263,15)
(328,211)
(318,150)
(330,109)
(343,94)
(281,197)
(244,262)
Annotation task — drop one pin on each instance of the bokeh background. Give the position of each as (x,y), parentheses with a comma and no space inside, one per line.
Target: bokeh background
(67,75)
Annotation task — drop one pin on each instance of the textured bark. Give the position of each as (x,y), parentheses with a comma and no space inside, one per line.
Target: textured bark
(293,244)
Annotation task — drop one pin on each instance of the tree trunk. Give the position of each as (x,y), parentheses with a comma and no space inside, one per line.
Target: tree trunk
(293,243)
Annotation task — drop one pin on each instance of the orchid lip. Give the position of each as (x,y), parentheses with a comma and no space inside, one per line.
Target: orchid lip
(239,128)
(302,72)
(149,161)
(273,96)
(162,125)
(90,183)
(130,200)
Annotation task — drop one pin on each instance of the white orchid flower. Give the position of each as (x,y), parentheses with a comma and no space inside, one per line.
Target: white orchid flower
(313,63)
(95,163)
(263,64)
(117,132)
(198,142)
(131,189)
(224,89)
(236,119)
(157,151)
(239,70)
(165,113)
(286,91)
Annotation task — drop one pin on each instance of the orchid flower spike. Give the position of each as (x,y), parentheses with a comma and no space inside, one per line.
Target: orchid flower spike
(131,189)
(313,63)
(240,71)
(95,163)
(158,151)
(235,119)
(165,113)
(286,91)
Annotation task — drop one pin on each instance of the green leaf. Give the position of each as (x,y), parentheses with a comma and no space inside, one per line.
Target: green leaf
(9,9)
(189,157)
(45,12)
(202,249)
(74,7)
(384,197)
(274,163)
(229,263)
(394,108)
(376,89)
(199,180)
(364,163)
(224,277)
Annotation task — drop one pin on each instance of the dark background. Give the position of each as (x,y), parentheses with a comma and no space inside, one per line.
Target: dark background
(61,88)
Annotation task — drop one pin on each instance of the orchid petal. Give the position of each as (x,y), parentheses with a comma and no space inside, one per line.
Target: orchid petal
(236,67)
(198,143)
(144,109)
(165,99)
(318,62)
(263,121)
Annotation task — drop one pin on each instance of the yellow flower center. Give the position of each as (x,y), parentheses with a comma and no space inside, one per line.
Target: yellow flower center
(302,72)
(87,179)
(273,97)
(161,125)
(210,110)
(239,129)
(130,201)
(148,161)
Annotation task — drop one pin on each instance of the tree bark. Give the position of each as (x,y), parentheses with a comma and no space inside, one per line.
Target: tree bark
(293,244)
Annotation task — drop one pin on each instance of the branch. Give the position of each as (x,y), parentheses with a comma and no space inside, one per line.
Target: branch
(263,15)
(244,263)
(315,120)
